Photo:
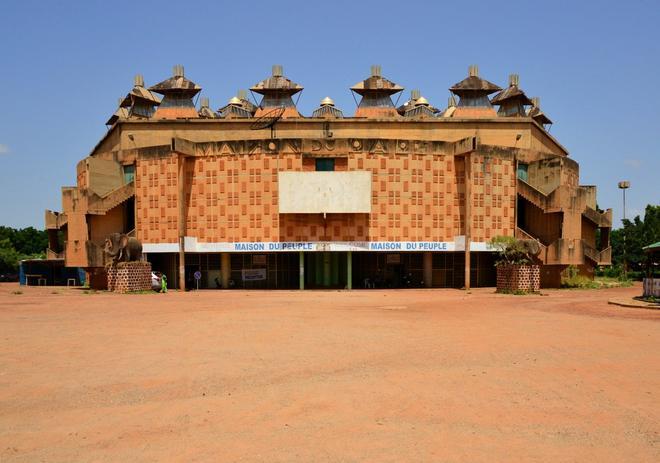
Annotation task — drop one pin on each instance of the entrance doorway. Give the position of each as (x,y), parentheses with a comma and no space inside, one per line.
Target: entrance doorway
(326,270)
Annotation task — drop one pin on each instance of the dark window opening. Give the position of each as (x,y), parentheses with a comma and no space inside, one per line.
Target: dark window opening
(325,164)
(129,173)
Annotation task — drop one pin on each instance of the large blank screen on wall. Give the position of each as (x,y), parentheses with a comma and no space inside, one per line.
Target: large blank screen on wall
(330,192)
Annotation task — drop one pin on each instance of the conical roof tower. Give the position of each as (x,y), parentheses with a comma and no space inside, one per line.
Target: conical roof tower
(512,100)
(277,92)
(236,108)
(178,93)
(205,110)
(537,114)
(327,110)
(376,92)
(420,109)
(138,103)
(473,94)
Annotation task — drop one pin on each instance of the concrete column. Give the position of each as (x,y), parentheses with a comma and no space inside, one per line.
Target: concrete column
(327,262)
(428,269)
(225,269)
(468,216)
(349,270)
(181,200)
(302,270)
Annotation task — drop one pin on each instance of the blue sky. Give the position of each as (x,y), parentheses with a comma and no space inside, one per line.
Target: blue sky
(595,65)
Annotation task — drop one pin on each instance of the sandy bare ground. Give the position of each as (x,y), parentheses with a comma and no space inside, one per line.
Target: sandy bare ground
(386,376)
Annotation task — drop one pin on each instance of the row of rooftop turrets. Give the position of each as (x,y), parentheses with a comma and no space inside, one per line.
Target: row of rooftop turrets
(376,93)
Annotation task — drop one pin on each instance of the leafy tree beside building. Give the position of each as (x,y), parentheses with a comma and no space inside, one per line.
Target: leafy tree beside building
(17,244)
(638,233)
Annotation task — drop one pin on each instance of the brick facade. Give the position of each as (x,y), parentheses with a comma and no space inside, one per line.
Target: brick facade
(129,277)
(414,198)
(512,278)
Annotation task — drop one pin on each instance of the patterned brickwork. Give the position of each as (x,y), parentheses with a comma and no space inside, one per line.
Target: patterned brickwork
(129,277)
(493,197)
(518,278)
(156,190)
(233,198)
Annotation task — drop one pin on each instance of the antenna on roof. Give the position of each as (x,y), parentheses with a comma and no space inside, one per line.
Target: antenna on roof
(138,80)
(268,120)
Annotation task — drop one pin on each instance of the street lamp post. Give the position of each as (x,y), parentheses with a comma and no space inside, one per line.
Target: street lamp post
(623,186)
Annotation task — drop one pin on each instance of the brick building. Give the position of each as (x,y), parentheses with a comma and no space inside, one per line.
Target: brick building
(260,196)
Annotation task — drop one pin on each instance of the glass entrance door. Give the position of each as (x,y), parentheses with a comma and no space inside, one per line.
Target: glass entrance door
(325,270)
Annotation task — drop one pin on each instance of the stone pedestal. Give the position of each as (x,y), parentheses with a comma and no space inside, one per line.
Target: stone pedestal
(512,278)
(128,277)
(651,287)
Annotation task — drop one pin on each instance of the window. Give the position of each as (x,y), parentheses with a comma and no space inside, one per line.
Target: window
(129,173)
(325,164)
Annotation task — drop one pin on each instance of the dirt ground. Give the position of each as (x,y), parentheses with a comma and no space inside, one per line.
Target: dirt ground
(327,376)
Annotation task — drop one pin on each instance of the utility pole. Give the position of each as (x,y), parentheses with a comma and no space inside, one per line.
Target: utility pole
(624,185)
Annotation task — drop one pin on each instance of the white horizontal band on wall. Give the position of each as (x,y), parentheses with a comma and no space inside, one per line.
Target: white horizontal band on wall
(191,245)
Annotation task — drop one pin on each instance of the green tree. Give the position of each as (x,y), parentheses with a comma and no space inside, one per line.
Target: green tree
(18,244)
(638,233)
(27,241)
(9,257)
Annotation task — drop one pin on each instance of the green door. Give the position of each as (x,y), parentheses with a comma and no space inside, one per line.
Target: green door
(325,270)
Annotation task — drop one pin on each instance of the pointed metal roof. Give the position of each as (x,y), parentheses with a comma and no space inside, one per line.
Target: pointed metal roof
(535,112)
(205,111)
(474,83)
(539,116)
(376,83)
(327,109)
(512,92)
(121,113)
(138,92)
(276,83)
(176,84)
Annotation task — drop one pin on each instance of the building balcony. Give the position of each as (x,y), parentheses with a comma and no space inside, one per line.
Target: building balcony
(566,251)
(101,205)
(603,257)
(324,192)
(602,219)
(55,220)
(53,255)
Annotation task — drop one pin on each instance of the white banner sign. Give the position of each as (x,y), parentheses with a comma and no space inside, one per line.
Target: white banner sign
(253,274)
(192,245)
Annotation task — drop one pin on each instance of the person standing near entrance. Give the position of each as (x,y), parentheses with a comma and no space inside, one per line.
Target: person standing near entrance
(163,284)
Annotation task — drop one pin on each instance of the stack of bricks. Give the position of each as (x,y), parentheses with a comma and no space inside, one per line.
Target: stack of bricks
(511,278)
(128,277)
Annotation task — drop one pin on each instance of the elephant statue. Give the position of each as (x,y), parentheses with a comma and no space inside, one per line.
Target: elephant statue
(120,247)
(531,247)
